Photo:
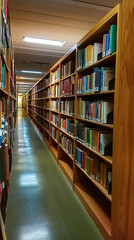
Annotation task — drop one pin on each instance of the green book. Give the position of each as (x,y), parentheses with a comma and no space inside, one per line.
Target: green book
(3,76)
(113,34)
(88,136)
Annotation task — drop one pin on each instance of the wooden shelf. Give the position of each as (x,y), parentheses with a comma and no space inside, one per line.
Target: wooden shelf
(47,86)
(101,62)
(56,82)
(46,119)
(64,114)
(69,135)
(66,152)
(97,123)
(96,93)
(54,97)
(54,151)
(53,138)
(98,185)
(68,171)
(70,96)
(94,209)
(68,76)
(54,111)
(54,124)
(107,159)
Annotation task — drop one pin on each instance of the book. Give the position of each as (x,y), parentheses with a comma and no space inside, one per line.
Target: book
(113,34)
(96,50)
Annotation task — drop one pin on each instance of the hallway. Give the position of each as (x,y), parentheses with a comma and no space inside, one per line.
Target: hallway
(41,203)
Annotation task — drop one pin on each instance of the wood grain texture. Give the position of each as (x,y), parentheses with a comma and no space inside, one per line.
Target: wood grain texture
(123,166)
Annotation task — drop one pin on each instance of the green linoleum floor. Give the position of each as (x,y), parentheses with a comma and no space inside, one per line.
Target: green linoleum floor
(42,204)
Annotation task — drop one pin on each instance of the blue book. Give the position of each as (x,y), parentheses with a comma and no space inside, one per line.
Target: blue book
(107,44)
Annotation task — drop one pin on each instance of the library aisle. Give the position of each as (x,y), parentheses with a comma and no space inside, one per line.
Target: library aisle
(42,205)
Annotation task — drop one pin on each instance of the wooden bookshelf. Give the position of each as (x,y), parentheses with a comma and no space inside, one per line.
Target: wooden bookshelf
(62,87)
(7,111)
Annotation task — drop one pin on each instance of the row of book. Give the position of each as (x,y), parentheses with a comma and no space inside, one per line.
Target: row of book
(102,79)
(54,119)
(54,105)
(67,69)
(99,111)
(67,125)
(55,76)
(67,86)
(46,82)
(3,76)
(46,93)
(46,125)
(46,104)
(93,53)
(46,115)
(66,143)
(67,107)
(95,168)
(99,140)
(54,133)
(54,91)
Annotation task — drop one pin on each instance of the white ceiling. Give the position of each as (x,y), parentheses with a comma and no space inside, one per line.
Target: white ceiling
(66,20)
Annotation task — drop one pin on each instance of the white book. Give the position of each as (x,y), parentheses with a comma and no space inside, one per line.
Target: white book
(105,139)
(97,49)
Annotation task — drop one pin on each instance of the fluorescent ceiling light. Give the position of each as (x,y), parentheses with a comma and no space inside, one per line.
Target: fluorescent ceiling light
(44,41)
(26,78)
(23,71)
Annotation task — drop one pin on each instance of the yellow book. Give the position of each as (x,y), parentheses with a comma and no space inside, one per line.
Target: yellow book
(90,56)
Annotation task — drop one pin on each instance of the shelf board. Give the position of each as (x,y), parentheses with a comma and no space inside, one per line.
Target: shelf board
(94,209)
(47,86)
(54,97)
(107,159)
(46,130)
(72,74)
(66,152)
(69,96)
(69,135)
(5,62)
(4,92)
(53,124)
(53,138)
(68,171)
(46,119)
(54,82)
(54,111)
(37,106)
(98,185)
(64,114)
(109,58)
(95,93)
(97,123)
(13,97)
(46,109)
(46,141)
(54,151)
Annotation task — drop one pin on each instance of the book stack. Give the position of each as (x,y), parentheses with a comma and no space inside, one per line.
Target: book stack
(54,119)
(67,69)
(54,133)
(67,107)
(47,82)
(95,168)
(98,111)
(109,41)
(55,105)
(67,86)
(46,92)
(100,80)
(99,140)
(66,144)
(67,125)
(55,76)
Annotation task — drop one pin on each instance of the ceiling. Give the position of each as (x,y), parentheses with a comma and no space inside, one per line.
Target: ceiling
(64,20)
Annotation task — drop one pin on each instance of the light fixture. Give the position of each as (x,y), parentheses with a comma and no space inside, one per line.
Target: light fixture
(44,41)
(35,72)
(27,78)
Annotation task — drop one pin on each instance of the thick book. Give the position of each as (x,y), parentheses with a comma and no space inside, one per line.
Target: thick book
(113,34)
(97,49)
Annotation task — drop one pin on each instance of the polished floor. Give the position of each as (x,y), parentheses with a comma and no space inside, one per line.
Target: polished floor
(42,204)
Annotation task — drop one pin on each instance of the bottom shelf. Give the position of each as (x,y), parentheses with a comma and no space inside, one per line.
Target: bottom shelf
(68,171)
(102,221)
(54,151)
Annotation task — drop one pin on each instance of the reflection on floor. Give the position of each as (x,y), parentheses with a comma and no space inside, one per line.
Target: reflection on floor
(42,204)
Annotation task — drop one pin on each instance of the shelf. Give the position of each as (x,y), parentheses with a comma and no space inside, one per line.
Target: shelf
(13,97)
(3,57)
(54,151)
(68,76)
(37,106)
(95,93)
(47,86)
(54,111)
(4,92)
(53,138)
(46,119)
(46,142)
(66,152)
(99,63)
(54,83)
(107,159)
(69,135)
(54,124)
(97,123)
(71,96)
(68,171)
(64,114)
(98,185)
(46,130)
(54,97)
(94,209)
(46,109)
(36,99)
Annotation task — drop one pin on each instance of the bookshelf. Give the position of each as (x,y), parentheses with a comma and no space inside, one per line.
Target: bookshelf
(7,110)
(76,119)
(25,103)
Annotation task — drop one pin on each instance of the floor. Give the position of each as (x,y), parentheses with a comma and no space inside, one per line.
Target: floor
(42,204)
